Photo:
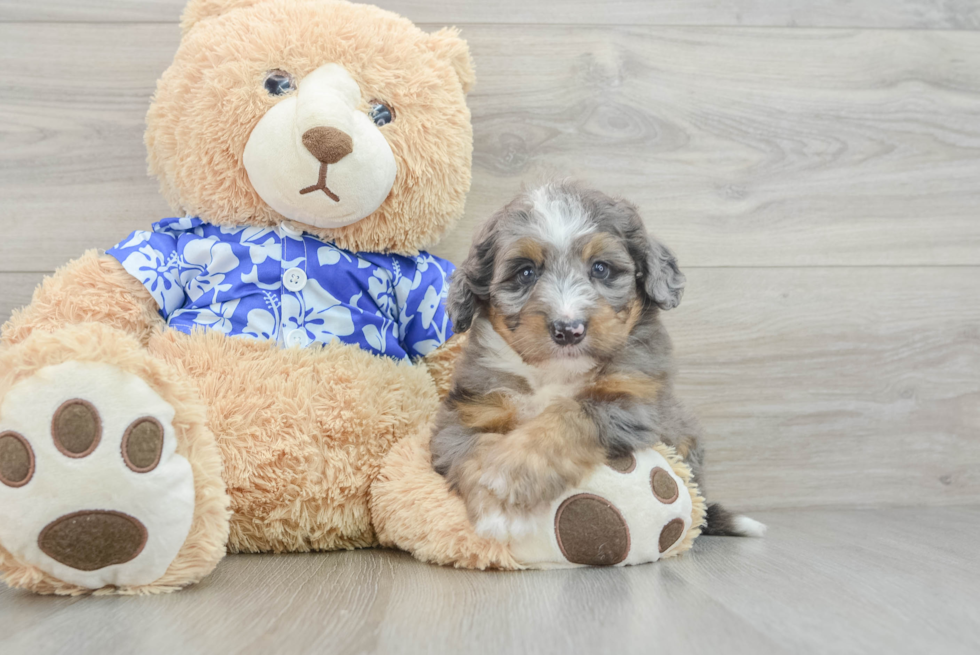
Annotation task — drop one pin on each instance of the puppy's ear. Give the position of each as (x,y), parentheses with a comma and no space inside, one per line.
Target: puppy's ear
(461,303)
(664,282)
(470,284)
(656,266)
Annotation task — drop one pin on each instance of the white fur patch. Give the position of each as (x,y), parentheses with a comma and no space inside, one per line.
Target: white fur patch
(749,527)
(506,527)
(161,499)
(555,378)
(562,221)
(570,296)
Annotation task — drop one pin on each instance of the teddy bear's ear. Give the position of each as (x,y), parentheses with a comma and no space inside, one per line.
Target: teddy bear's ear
(198,10)
(446,44)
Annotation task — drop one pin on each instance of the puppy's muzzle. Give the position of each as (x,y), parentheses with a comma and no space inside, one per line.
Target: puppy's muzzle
(567,333)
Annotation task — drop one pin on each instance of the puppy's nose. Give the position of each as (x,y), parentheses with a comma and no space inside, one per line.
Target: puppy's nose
(567,333)
(328,144)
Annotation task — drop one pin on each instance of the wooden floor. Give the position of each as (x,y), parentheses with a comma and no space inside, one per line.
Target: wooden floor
(815,164)
(874,581)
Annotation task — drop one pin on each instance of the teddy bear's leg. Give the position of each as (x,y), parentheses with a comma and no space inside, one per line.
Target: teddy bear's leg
(442,363)
(109,477)
(303,433)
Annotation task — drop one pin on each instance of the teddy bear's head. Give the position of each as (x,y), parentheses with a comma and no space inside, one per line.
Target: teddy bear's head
(341,117)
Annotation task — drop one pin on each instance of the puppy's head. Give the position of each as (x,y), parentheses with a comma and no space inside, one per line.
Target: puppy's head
(564,271)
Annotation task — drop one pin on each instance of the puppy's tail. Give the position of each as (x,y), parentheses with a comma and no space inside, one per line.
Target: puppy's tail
(721,522)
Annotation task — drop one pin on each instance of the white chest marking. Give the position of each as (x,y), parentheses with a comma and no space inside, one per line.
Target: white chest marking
(558,378)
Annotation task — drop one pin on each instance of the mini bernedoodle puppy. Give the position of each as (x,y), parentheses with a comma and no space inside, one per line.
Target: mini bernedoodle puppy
(567,362)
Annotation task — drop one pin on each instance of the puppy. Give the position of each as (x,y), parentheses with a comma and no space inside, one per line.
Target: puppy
(567,363)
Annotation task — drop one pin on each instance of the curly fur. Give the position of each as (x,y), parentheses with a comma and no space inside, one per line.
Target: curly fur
(530,415)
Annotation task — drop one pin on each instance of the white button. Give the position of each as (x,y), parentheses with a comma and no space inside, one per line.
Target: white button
(296,339)
(290,230)
(294,279)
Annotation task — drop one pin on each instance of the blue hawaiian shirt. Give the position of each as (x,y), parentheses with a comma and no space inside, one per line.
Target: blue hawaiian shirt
(280,284)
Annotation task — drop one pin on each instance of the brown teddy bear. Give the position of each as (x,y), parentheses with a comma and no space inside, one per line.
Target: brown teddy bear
(233,378)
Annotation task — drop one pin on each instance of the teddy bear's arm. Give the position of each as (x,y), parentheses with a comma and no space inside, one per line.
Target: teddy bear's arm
(441,362)
(91,289)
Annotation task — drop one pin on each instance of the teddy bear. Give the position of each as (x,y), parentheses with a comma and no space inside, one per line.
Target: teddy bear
(260,372)
(232,378)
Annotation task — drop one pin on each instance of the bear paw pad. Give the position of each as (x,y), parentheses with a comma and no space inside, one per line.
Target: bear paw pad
(92,490)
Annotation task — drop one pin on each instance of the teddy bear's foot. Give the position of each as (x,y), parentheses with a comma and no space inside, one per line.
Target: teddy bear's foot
(94,492)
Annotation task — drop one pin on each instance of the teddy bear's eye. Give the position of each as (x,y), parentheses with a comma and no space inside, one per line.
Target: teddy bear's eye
(279,83)
(381,114)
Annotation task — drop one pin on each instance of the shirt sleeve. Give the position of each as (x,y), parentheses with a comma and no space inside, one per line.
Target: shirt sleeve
(424,323)
(152,258)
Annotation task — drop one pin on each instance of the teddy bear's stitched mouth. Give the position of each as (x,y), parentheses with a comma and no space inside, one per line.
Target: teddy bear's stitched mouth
(321,185)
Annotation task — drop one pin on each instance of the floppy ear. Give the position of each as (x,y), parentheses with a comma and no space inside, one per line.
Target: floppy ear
(656,266)
(664,281)
(198,10)
(446,44)
(461,303)
(470,284)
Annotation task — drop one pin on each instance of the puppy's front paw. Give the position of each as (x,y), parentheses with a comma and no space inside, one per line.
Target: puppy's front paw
(494,519)
(503,527)
(521,486)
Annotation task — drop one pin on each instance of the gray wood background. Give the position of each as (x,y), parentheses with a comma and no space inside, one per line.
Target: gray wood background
(814,163)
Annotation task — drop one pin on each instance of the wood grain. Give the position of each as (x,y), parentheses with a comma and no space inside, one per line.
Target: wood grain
(843,386)
(744,147)
(827,387)
(821,581)
(919,14)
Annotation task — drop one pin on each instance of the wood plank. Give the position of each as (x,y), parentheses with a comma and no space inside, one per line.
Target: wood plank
(834,386)
(821,581)
(744,147)
(920,14)
(822,387)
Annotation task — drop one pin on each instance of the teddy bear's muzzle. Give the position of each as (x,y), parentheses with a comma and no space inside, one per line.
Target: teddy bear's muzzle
(316,156)
(329,145)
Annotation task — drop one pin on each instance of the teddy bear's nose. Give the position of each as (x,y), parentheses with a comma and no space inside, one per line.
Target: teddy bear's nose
(328,144)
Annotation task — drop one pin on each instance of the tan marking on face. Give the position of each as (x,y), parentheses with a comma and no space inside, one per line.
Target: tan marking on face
(526,248)
(492,412)
(609,329)
(530,338)
(598,245)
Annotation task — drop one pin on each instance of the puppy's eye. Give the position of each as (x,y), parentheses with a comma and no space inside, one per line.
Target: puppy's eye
(279,83)
(527,275)
(600,270)
(381,113)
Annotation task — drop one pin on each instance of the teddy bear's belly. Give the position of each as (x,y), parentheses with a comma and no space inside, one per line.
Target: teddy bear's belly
(302,433)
